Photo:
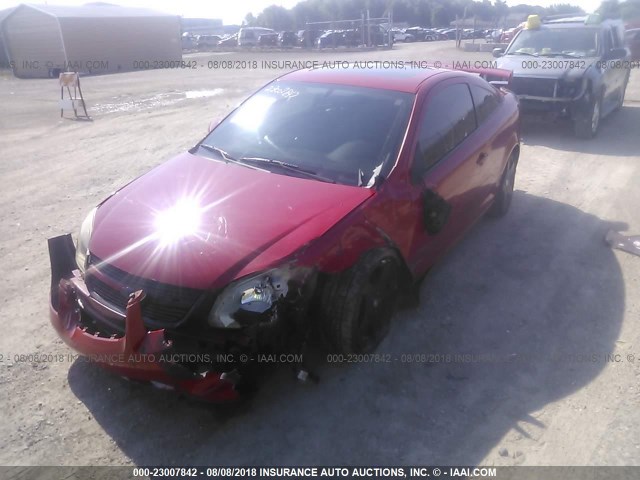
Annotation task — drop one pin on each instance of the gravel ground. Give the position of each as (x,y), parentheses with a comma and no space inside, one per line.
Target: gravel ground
(539,291)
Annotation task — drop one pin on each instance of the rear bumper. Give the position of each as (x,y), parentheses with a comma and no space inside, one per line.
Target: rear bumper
(138,354)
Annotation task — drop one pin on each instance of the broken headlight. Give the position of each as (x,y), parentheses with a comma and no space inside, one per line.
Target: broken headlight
(253,296)
(82,246)
(569,88)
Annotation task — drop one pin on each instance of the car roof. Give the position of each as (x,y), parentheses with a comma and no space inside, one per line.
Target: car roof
(399,79)
(566,24)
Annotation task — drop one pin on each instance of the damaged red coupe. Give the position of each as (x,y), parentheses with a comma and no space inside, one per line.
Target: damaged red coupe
(307,212)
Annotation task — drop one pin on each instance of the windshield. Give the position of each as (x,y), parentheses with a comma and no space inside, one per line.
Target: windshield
(349,135)
(580,42)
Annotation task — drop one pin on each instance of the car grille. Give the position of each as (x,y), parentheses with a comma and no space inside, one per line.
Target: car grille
(164,305)
(536,87)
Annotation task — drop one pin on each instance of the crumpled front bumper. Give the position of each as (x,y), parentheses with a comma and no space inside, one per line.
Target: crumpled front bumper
(138,354)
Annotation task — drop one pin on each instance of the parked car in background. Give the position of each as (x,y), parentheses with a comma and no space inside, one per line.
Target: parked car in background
(312,207)
(434,35)
(470,33)
(493,36)
(331,39)
(374,35)
(229,41)
(249,36)
(353,38)
(208,41)
(632,40)
(421,34)
(308,38)
(403,36)
(189,41)
(569,67)
(509,34)
(268,39)
(416,32)
(450,33)
(287,39)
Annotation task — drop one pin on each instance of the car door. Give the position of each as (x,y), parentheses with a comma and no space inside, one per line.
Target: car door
(611,76)
(621,66)
(445,172)
(486,101)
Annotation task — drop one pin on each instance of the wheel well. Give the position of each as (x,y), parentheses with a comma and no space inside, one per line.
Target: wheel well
(406,279)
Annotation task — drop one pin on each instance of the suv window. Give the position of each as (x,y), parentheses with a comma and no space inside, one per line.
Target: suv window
(485,101)
(448,120)
(615,37)
(556,41)
(608,40)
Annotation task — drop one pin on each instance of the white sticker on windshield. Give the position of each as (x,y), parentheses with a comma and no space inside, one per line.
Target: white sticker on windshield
(286,92)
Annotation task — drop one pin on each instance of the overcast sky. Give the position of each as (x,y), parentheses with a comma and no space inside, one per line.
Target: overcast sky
(233,11)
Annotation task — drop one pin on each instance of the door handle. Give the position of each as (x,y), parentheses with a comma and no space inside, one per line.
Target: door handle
(481,158)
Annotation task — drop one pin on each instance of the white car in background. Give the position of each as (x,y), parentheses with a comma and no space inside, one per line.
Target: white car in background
(249,36)
(402,36)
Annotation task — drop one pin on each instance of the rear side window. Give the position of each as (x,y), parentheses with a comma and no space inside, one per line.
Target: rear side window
(486,102)
(449,119)
(615,38)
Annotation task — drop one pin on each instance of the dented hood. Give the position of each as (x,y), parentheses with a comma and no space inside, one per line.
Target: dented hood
(201,223)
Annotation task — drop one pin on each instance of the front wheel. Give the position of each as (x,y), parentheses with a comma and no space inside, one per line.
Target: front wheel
(621,93)
(586,123)
(358,304)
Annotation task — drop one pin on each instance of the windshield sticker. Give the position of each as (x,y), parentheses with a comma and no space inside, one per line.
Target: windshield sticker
(286,92)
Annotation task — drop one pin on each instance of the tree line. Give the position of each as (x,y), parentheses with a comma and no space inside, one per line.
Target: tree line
(426,13)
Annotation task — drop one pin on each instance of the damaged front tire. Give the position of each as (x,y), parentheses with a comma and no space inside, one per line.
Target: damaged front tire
(358,304)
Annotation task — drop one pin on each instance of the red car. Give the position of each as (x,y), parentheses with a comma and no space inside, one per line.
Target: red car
(307,211)
(508,35)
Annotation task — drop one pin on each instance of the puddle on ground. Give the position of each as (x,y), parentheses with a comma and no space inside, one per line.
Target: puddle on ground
(153,101)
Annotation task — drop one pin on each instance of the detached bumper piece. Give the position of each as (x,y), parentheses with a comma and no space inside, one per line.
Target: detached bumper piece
(138,354)
(621,242)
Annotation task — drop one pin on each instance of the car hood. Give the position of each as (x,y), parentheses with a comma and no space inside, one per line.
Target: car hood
(520,65)
(201,223)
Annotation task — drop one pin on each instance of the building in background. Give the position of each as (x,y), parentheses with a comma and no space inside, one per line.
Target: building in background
(202,26)
(4,58)
(42,40)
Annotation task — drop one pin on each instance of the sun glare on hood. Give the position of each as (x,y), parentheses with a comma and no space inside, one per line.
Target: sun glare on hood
(181,220)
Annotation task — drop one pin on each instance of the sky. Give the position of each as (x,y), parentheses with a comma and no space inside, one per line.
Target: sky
(234,11)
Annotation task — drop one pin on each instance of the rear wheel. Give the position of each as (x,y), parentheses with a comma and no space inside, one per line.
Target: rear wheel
(359,303)
(505,193)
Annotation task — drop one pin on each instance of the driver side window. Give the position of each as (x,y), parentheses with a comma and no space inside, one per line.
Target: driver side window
(449,118)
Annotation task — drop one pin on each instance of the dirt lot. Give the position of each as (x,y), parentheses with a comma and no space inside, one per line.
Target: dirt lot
(539,290)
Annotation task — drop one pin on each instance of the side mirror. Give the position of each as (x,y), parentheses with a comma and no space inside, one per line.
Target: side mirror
(497,52)
(436,212)
(617,53)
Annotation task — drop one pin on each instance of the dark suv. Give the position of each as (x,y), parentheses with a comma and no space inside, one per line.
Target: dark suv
(572,66)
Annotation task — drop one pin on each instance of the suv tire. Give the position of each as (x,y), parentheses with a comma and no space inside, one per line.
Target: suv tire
(586,123)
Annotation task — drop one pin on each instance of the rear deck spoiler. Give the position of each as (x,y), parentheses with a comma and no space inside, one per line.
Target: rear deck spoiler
(495,76)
